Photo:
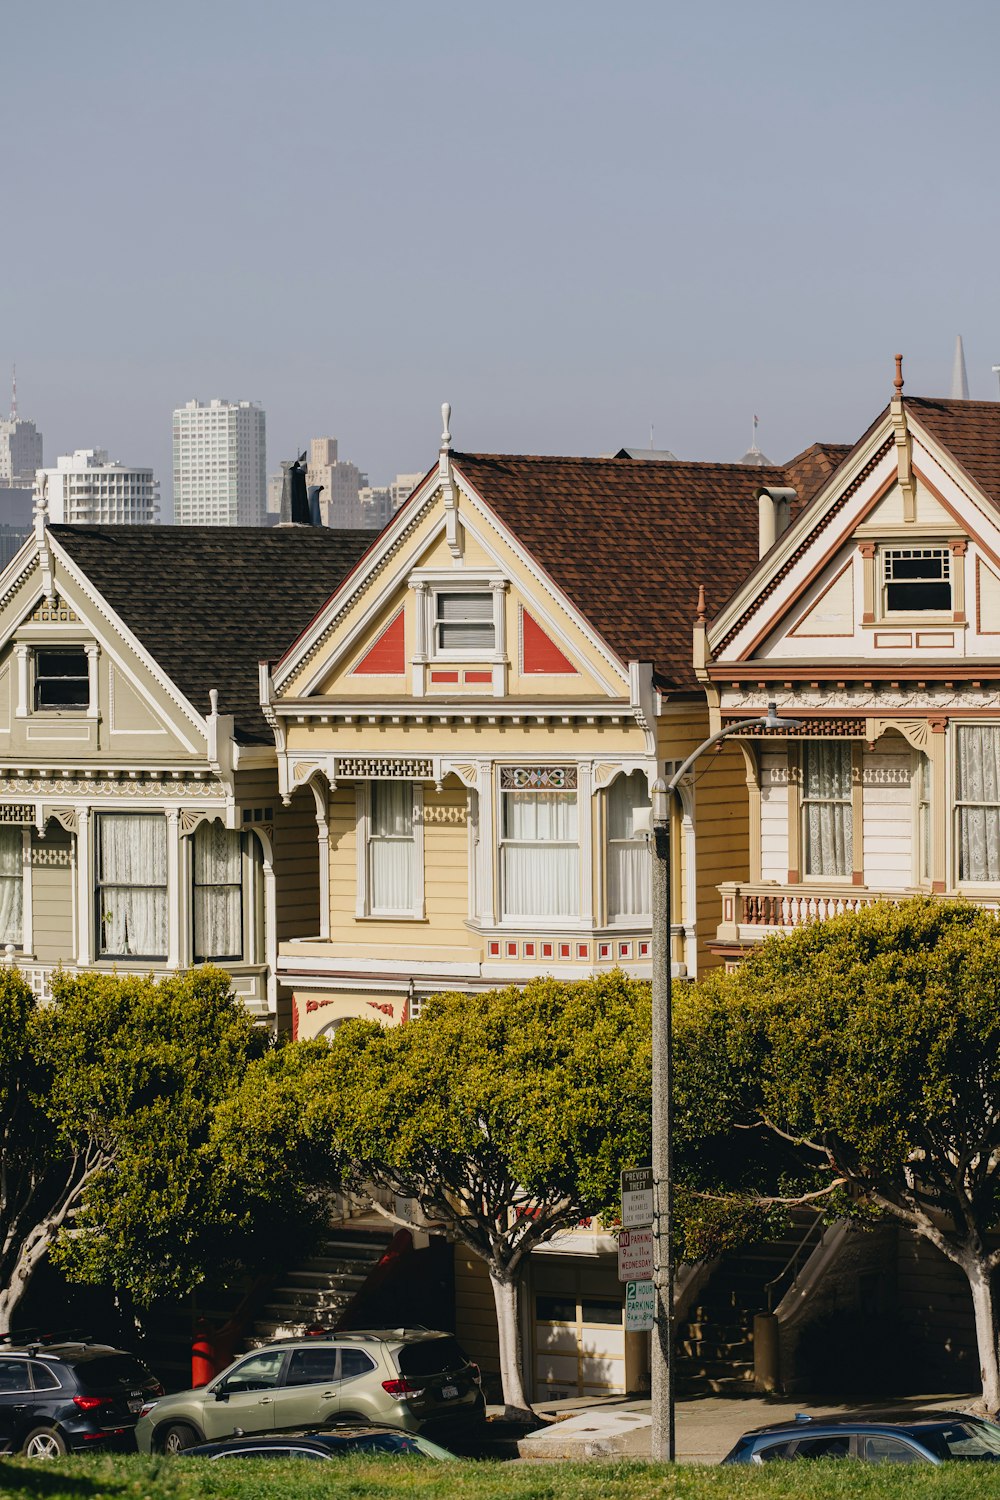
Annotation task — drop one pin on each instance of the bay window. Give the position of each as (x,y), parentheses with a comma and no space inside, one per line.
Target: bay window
(827,814)
(977,757)
(131,895)
(539,843)
(11,885)
(628,852)
(217,858)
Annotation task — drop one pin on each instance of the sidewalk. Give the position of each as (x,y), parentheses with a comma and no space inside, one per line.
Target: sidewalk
(707,1426)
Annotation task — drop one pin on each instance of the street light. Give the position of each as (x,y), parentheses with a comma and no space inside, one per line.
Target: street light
(663,1391)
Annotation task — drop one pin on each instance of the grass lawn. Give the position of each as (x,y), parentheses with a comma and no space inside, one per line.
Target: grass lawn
(360,1478)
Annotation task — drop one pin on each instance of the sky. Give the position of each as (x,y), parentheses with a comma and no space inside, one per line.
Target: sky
(572,220)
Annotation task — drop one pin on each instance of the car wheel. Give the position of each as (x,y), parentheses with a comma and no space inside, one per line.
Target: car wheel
(176,1437)
(44,1442)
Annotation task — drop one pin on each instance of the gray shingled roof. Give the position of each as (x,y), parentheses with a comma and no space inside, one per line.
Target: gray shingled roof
(210,602)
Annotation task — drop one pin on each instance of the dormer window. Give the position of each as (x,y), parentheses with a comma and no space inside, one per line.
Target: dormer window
(917,580)
(62,679)
(464,622)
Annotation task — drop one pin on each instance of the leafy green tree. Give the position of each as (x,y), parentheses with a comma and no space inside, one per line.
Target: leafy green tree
(113,1153)
(866,1050)
(507,1115)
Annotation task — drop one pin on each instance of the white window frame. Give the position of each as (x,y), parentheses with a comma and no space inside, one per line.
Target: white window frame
(624,919)
(98,886)
(805,802)
(23,944)
(930,549)
(365,910)
(463,653)
(251,865)
(960,882)
(569,921)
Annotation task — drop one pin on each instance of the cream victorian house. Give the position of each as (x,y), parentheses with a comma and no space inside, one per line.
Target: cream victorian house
(140,826)
(875,620)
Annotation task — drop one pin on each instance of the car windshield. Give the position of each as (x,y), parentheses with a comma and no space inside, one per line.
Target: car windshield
(109,1372)
(431,1357)
(968,1440)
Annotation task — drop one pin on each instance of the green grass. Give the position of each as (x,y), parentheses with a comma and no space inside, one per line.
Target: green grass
(407,1479)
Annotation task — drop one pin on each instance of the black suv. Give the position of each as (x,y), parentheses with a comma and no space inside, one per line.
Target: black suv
(60,1397)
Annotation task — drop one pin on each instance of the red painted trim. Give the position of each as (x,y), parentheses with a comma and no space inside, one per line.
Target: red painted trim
(479,676)
(444,677)
(539,653)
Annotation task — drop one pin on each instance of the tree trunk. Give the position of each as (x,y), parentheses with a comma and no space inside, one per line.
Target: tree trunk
(984,1303)
(32,1252)
(506,1295)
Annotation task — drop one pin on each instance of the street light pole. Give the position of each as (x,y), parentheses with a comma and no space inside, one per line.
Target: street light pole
(663,1372)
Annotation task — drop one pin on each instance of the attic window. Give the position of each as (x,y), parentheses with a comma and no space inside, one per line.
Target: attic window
(917,579)
(464,622)
(62,679)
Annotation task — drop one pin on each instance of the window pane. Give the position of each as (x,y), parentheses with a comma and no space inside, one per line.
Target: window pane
(218,892)
(827,810)
(978,757)
(11,875)
(392,809)
(540,857)
(132,884)
(391,847)
(477,606)
(628,854)
(465,621)
(61,679)
(312,1367)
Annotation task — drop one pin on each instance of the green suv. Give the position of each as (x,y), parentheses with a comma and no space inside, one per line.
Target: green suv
(399,1377)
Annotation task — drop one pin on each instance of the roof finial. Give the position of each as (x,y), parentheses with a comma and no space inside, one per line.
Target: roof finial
(445,420)
(702,614)
(898,382)
(213,700)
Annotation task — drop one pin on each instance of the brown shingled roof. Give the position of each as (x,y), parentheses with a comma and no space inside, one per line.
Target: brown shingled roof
(970,430)
(629,542)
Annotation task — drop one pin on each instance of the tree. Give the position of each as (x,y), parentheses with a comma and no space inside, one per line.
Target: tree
(111,1155)
(507,1115)
(866,1049)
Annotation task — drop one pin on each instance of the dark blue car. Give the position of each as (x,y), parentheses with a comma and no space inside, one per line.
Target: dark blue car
(931,1438)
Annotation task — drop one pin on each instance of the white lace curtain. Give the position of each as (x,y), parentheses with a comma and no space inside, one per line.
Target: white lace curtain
(540,855)
(827,809)
(132,884)
(218,892)
(628,855)
(11,884)
(978,752)
(391,847)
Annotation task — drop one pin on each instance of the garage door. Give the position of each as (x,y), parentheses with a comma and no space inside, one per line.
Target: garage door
(578,1333)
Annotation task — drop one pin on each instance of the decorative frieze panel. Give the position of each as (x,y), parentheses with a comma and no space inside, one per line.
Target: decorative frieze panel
(948,698)
(21,813)
(76,786)
(538,778)
(537,950)
(384,768)
(54,611)
(43,857)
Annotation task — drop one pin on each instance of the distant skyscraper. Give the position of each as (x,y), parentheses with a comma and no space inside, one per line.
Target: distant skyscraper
(219,464)
(340,502)
(380,503)
(959,378)
(85,488)
(20,448)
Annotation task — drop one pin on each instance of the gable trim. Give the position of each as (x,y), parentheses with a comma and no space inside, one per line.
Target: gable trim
(829,634)
(821,525)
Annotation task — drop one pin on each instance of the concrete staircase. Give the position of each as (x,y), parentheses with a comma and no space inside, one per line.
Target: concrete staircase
(715,1341)
(320,1287)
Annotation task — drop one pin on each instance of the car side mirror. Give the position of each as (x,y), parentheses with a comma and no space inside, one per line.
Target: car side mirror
(220,1393)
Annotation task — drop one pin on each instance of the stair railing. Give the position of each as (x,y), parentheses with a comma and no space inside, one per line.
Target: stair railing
(794,1262)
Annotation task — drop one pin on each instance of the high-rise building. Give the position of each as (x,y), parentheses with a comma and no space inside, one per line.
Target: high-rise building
(340,503)
(86,488)
(219,464)
(379,503)
(20,448)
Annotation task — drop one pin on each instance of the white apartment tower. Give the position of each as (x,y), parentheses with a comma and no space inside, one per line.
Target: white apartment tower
(219,464)
(85,488)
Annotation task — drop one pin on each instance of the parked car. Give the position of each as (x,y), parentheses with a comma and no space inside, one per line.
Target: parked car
(408,1378)
(930,1438)
(323,1445)
(63,1397)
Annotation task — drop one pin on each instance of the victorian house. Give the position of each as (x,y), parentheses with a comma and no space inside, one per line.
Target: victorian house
(874,620)
(479,712)
(140,826)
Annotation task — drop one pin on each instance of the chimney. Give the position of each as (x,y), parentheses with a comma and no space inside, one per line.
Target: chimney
(774,511)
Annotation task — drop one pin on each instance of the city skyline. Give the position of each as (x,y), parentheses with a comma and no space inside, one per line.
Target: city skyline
(571,224)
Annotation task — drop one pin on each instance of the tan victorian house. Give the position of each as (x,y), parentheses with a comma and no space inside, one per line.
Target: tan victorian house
(140,826)
(875,620)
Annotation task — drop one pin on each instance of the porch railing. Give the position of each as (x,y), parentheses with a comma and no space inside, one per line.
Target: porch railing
(751,910)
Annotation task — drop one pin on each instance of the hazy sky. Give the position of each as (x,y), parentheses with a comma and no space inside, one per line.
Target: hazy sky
(571,219)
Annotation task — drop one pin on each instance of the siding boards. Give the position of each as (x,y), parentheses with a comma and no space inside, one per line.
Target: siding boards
(887,835)
(774,815)
(476,1317)
(296,867)
(53,939)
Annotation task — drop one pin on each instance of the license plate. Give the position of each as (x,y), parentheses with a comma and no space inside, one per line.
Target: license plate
(449,1392)
(135,1406)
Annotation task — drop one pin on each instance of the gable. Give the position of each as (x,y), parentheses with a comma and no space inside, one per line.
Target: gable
(451,611)
(898,560)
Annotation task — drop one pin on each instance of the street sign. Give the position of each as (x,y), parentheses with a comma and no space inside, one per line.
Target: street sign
(635,1255)
(637,1197)
(638,1307)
